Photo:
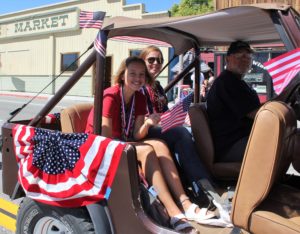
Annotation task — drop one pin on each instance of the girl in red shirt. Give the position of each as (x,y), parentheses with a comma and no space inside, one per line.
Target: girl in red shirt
(124,109)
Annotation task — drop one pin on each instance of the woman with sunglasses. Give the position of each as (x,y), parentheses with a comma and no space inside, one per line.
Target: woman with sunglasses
(178,139)
(123,118)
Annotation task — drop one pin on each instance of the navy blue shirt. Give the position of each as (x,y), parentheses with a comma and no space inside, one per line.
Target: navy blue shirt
(229,100)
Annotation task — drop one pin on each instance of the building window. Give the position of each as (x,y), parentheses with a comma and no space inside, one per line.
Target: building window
(135,52)
(69,62)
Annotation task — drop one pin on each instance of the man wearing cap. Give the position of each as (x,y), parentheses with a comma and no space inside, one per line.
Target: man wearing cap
(232,105)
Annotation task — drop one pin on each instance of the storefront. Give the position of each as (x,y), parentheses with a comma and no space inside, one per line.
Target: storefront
(36,45)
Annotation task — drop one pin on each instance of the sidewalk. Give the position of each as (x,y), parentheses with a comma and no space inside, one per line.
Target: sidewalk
(43,96)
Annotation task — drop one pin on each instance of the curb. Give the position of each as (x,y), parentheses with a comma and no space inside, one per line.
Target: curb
(21,95)
(43,96)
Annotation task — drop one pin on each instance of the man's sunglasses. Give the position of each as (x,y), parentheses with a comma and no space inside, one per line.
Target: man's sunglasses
(151,60)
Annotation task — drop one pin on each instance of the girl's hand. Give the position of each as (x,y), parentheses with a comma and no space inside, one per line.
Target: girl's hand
(153,119)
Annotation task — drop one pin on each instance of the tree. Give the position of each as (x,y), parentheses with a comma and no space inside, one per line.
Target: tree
(192,7)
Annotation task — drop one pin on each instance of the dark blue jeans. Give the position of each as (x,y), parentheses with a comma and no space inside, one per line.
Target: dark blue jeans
(236,152)
(181,145)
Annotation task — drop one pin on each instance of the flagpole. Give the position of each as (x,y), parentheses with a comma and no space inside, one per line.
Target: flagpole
(99,86)
(197,76)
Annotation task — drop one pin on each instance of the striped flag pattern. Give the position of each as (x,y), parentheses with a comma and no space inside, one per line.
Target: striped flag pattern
(283,69)
(100,43)
(88,19)
(51,118)
(177,115)
(66,170)
(141,40)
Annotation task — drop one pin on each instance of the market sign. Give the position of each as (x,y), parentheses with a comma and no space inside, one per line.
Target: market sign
(58,21)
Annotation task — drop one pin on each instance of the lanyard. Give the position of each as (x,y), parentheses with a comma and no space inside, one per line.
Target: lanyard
(127,120)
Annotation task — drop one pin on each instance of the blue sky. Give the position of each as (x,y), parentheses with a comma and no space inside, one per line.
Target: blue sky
(8,6)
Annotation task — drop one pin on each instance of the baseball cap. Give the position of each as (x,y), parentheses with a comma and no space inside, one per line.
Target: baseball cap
(237,46)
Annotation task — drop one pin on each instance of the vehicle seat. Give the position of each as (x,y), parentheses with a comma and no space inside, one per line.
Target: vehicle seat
(74,118)
(205,147)
(262,204)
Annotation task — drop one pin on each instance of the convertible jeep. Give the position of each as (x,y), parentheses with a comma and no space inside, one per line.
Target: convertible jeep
(266,199)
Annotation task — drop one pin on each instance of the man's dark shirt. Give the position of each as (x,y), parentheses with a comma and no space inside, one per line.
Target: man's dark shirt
(229,100)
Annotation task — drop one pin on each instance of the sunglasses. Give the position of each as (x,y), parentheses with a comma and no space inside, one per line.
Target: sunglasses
(151,60)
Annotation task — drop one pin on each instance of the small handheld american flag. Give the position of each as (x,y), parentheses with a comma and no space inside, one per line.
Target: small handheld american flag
(177,115)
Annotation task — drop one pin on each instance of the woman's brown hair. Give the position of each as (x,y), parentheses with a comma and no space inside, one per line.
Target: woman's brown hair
(124,65)
(148,50)
(144,54)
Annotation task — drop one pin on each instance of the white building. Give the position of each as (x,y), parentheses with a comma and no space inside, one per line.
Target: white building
(37,44)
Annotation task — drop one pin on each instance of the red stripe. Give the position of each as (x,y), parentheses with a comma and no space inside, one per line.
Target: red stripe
(21,140)
(113,168)
(281,56)
(281,65)
(286,73)
(173,122)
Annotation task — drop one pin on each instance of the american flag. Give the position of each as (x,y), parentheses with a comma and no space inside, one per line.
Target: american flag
(67,170)
(89,19)
(283,69)
(100,43)
(141,40)
(51,118)
(177,115)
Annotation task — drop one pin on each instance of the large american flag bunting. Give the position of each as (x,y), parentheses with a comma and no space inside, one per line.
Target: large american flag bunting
(67,170)
(88,19)
(283,69)
(177,115)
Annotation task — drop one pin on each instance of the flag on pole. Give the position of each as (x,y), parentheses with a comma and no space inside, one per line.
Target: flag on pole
(177,115)
(66,170)
(88,19)
(283,69)
(100,43)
